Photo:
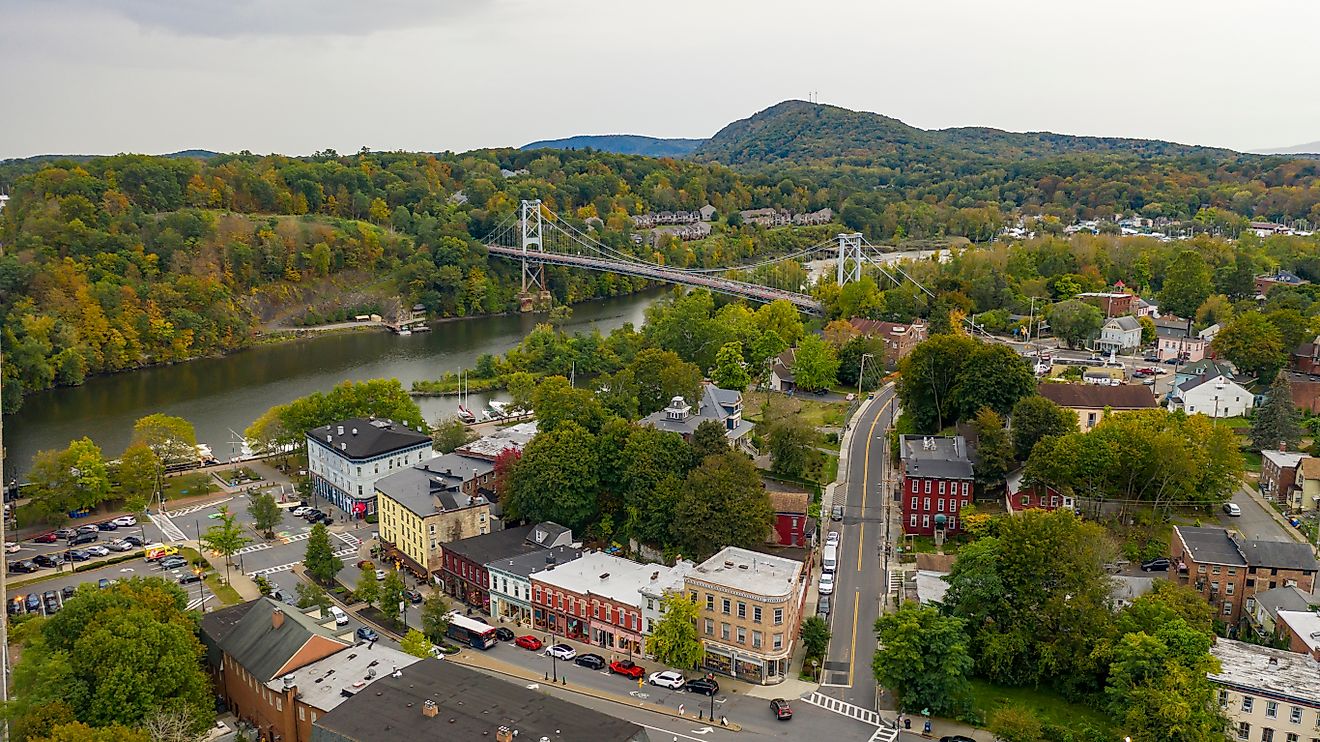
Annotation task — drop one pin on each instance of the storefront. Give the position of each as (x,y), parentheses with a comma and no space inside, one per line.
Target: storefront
(743,666)
(608,636)
(559,624)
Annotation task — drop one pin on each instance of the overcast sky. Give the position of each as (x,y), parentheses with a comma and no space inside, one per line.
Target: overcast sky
(296,76)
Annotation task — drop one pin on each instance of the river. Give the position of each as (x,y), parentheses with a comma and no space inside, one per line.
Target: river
(222,396)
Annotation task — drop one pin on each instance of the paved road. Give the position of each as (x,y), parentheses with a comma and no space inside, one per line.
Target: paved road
(1255,521)
(860,579)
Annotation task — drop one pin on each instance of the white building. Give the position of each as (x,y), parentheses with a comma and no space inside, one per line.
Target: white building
(511,580)
(668,580)
(1267,694)
(1120,334)
(1214,395)
(345,459)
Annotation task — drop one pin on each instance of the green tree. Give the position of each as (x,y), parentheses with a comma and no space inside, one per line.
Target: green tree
(521,386)
(649,458)
(923,658)
(380,398)
(928,380)
(815,365)
(319,559)
(1148,330)
(557,403)
(994,450)
(792,448)
(225,537)
(449,434)
(556,478)
(310,595)
(79,732)
(1035,417)
(1187,284)
(1158,684)
(660,376)
(730,370)
(367,589)
(1075,321)
(265,513)
(815,636)
(416,644)
(707,439)
(994,376)
(435,617)
(723,503)
(1015,724)
(391,594)
(68,480)
(1277,424)
(173,439)
(674,641)
(1252,343)
(134,479)
(850,362)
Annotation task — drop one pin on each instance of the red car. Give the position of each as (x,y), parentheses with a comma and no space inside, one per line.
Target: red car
(528,642)
(627,669)
(46,538)
(781,709)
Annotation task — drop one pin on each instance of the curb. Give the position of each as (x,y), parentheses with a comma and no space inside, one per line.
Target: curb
(513,672)
(1288,528)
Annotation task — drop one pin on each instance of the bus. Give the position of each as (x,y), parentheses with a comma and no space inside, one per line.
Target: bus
(471,632)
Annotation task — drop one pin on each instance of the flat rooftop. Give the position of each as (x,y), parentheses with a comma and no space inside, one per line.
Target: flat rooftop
(750,571)
(941,456)
(602,574)
(1278,672)
(327,682)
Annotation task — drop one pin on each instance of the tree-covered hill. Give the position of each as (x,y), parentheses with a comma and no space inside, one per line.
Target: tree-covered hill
(622,144)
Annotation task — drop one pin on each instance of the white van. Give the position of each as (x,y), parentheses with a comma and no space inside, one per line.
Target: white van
(341,618)
(829,558)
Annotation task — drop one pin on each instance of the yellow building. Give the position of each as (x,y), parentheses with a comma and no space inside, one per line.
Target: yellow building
(1305,492)
(749,605)
(432,503)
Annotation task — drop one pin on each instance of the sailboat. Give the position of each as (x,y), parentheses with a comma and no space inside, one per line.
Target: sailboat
(464,413)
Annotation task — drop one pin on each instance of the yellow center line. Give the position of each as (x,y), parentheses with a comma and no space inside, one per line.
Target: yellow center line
(861,531)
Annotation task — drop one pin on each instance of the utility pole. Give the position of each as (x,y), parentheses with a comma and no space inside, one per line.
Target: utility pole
(861,372)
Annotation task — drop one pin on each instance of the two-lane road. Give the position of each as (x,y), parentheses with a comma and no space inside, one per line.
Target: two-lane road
(860,578)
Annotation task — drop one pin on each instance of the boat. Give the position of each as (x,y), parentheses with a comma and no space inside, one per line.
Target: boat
(498,409)
(464,413)
(404,331)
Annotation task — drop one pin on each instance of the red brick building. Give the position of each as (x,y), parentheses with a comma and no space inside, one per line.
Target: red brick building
(1227,569)
(1112,303)
(595,599)
(899,338)
(1278,472)
(1019,496)
(936,482)
(791,519)
(463,572)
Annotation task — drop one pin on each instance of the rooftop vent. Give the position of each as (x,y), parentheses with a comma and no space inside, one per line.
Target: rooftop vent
(341,429)
(728,563)
(655,575)
(354,431)
(288,681)
(605,576)
(742,566)
(428,708)
(504,734)
(343,446)
(1274,660)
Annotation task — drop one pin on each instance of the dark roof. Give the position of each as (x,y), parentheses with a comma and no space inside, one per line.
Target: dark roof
(1280,555)
(1202,380)
(470,706)
(946,457)
(488,547)
(367,438)
(433,485)
(218,624)
(714,404)
(1210,545)
(262,649)
(1098,396)
(1288,598)
(524,565)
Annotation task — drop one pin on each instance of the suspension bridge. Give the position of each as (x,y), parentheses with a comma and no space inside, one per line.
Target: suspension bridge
(537,237)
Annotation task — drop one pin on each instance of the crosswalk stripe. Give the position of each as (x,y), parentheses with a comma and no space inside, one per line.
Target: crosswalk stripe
(286,567)
(843,708)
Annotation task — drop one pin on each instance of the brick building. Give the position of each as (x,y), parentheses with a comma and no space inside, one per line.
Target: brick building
(1019,496)
(791,521)
(1278,471)
(464,573)
(936,482)
(899,338)
(594,599)
(1112,303)
(1227,569)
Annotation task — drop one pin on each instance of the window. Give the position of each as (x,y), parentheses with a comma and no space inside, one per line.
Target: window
(1266,734)
(742,609)
(302,713)
(710,627)
(724,604)
(925,503)
(756,639)
(964,493)
(1228,608)
(1295,715)
(710,602)
(928,486)
(925,521)
(1232,571)
(939,504)
(914,503)
(1223,698)
(1214,570)
(724,631)
(913,520)
(941,487)
(779,616)
(756,614)
(779,641)
(1292,737)
(279,703)
(1271,710)
(742,635)
(1243,730)
(1247,703)
(1214,587)
(1228,588)
(1200,569)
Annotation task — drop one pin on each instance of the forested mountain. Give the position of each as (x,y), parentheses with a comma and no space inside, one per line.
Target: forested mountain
(802,132)
(622,144)
(1310,148)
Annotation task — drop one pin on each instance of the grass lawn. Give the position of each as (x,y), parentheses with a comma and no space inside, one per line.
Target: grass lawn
(1047,706)
(814,412)
(830,471)
(189,485)
(222,590)
(1251,459)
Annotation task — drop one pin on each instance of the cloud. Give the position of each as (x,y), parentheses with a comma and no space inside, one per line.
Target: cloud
(249,18)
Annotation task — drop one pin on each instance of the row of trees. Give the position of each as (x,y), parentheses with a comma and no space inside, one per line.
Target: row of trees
(1029,606)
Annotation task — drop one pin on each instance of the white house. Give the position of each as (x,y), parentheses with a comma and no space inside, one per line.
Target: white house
(347,458)
(1120,334)
(1214,395)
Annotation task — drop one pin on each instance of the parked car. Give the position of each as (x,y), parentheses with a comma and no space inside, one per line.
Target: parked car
(561,651)
(667,679)
(1158,564)
(832,538)
(23,566)
(780,708)
(52,601)
(33,603)
(12,548)
(173,562)
(300,511)
(133,541)
(63,533)
(380,574)
(1232,508)
(956,738)
(84,537)
(528,642)
(49,561)
(188,578)
(79,555)
(108,525)
(313,515)
(826,586)
(367,635)
(503,634)
(97,550)
(16,606)
(119,545)
(704,686)
(627,668)
(88,528)
(836,513)
(125,521)
(823,607)
(102,583)
(47,538)
(593,661)
(67,591)
(413,596)
(1171,362)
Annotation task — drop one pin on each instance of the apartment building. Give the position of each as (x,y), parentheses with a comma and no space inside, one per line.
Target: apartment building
(345,459)
(1227,569)
(1268,695)
(936,482)
(425,506)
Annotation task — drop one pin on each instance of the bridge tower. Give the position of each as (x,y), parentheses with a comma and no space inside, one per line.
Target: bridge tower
(850,258)
(533,274)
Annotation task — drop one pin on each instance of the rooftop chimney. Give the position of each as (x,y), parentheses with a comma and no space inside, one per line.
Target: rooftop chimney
(343,446)
(277,618)
(428,709)
(341,429)
(504,734)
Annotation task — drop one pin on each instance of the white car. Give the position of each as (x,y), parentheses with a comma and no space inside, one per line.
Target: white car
(561,652)
(668,679)
(120,545)
(826,583)
(1232,508)
(125,521)
(380,574)
(97,551)
(11,547)
(300,511)
(832,539)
